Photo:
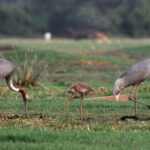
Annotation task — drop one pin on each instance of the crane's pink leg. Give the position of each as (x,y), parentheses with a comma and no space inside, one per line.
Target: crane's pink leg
(67,105)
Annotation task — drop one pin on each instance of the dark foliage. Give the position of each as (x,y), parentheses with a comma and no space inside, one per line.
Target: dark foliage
(68,18)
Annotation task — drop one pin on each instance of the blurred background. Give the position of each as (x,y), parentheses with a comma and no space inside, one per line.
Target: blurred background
(74,18)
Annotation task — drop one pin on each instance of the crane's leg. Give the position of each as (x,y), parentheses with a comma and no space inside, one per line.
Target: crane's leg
(132,96)
(135,97)
(81,110)
(136,92)
(67,105)
(131,99)
(132,92)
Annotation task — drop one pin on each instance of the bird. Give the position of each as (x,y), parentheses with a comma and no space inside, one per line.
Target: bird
(133,76)
(7,69)
(79,90)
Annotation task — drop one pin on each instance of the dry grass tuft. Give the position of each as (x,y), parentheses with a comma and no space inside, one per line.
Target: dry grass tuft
(30,70)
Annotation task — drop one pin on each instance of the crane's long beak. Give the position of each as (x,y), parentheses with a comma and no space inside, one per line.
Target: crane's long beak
(117,97)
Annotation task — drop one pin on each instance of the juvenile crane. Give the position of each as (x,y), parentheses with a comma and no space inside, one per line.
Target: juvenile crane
(79,90)
(6,72)
(133,76)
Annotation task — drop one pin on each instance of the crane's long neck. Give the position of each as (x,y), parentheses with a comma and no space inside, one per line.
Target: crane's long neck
(24,95)
(10,84)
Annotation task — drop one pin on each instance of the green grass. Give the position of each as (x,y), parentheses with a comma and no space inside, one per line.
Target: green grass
(69,61)
(36,139)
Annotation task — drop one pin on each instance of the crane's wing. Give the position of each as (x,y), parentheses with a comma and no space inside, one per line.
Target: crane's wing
(83,87)
(6,68)
(137,73)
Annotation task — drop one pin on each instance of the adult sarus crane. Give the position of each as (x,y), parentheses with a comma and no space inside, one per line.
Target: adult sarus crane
(133,76)
(79,90)
(6,72)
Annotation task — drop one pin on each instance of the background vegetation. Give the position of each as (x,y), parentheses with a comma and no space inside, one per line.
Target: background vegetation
(68,62)
(66,17)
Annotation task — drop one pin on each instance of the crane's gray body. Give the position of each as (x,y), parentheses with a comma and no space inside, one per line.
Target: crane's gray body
(137,73)
(133,76)
(6,68)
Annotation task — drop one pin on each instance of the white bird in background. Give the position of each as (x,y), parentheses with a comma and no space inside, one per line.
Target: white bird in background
(133,76)
(47,36)
(6,72)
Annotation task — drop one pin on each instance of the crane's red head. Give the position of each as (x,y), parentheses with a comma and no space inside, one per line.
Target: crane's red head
(24,95)
(25,98)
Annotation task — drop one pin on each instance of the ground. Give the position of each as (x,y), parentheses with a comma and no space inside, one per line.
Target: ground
(46,70)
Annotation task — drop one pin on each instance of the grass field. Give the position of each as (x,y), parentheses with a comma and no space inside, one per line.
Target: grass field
(57,65)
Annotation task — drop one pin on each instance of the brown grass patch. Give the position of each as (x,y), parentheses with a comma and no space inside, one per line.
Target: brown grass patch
(95,63)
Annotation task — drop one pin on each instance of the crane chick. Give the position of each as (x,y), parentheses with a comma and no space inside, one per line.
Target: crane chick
(79,90)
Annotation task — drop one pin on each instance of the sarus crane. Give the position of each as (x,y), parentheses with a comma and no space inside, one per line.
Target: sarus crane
(133,76)
(6,72)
